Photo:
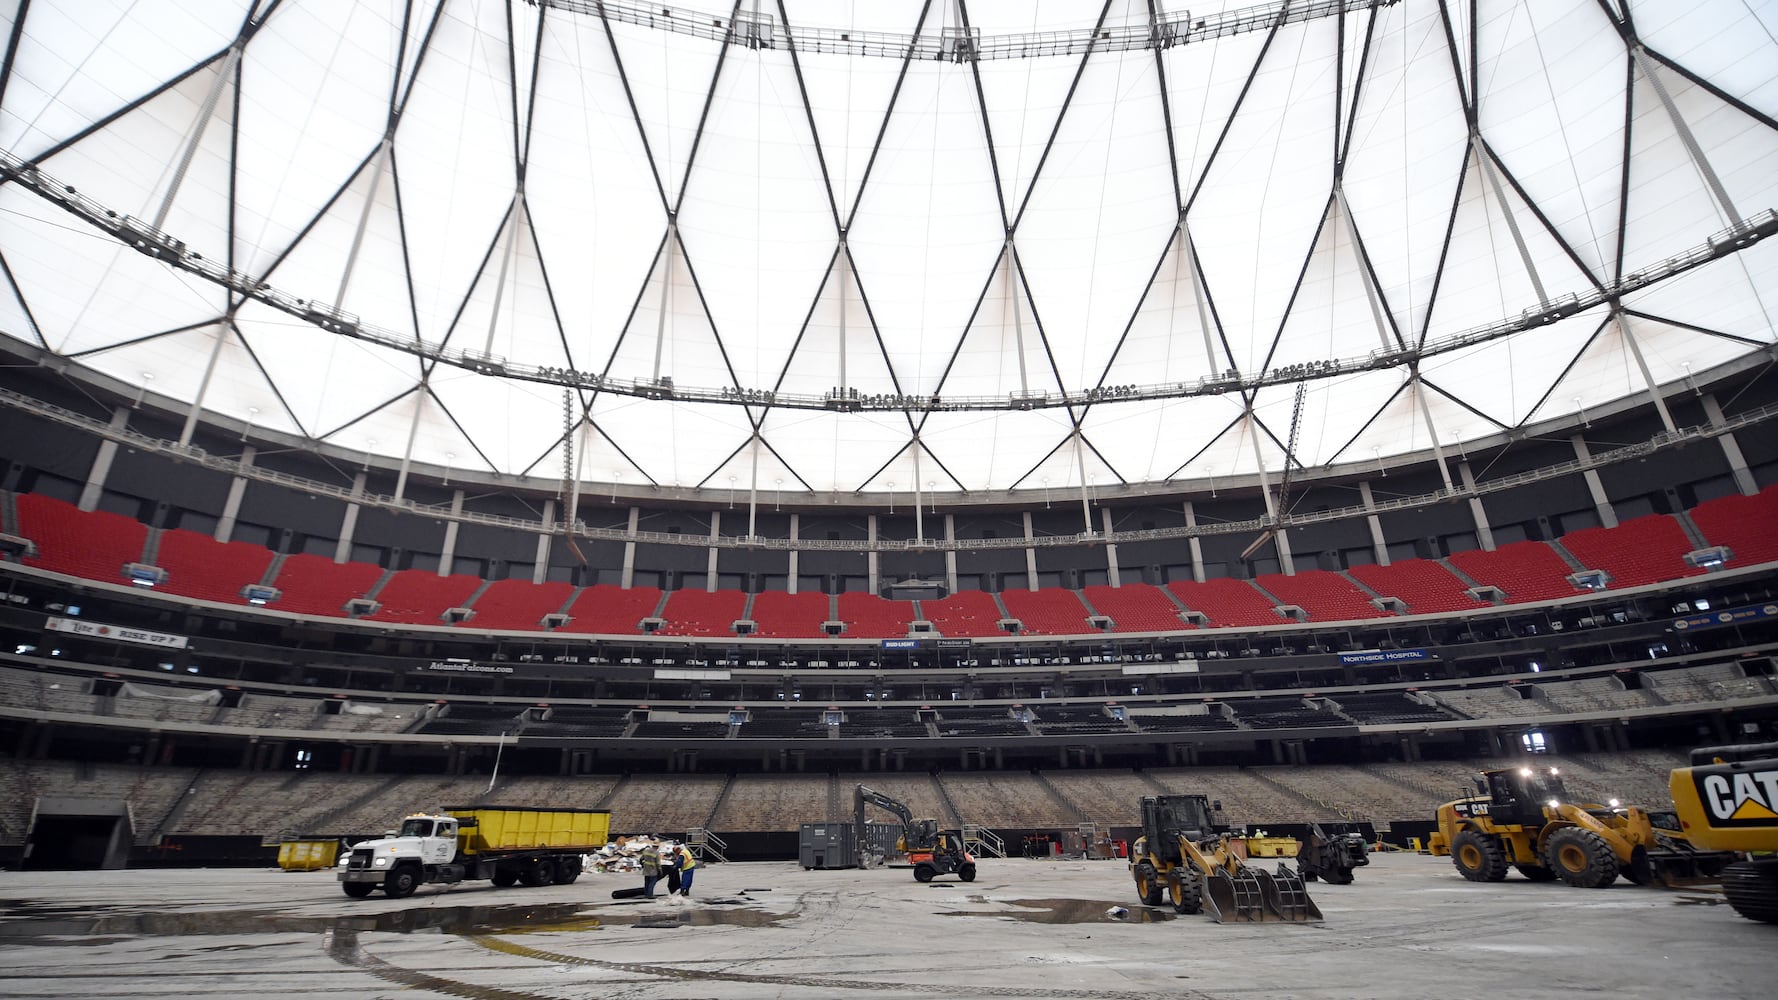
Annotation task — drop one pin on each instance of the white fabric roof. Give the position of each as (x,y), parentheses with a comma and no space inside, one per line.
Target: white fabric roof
(776,199)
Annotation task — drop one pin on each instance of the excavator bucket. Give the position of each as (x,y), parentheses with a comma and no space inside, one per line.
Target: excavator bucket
(1254,895)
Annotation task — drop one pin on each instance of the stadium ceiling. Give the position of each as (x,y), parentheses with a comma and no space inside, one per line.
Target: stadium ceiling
(954,246)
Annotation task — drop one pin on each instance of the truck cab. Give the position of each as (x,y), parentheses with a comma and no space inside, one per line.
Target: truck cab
(433,838)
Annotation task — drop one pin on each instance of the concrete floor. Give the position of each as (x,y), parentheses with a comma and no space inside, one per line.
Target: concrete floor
(1409,927)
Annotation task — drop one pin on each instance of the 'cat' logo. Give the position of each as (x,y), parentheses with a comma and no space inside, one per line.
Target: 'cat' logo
(1739,798)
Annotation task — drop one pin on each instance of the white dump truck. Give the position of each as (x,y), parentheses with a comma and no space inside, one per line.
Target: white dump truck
(534,846)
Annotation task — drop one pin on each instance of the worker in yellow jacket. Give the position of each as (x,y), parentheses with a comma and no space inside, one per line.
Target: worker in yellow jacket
(686,864)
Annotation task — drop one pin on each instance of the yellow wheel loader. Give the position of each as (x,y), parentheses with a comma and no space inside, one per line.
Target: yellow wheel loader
(1728,800)
(1183,860)
(1524,817)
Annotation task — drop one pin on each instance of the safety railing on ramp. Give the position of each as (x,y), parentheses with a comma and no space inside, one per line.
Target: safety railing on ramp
(705,846)
(983,843)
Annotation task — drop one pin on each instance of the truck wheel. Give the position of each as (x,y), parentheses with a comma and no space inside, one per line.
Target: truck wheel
(1184,891)
(505,878)
(357,890)
(401,882)
(1580,858)
(923,872)
(1478,857)
(539,874)
(966,873)
(567,871)
(1148,885)
(1752,889)
(1535,873)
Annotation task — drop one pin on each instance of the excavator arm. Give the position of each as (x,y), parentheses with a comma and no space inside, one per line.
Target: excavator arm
(911,831)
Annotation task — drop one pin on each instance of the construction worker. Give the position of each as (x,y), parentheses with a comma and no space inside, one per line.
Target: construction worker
(651,869)
(686,864)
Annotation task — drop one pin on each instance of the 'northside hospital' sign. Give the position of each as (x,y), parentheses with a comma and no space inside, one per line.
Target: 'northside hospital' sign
(1364,656)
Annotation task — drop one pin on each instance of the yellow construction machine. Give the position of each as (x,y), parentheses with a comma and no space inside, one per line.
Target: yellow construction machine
(1728,800)
(1184,859)
(1524,817)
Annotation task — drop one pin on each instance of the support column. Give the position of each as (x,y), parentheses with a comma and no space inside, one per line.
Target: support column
(1030,555)
(540,568)
(629,572)
(1379,547)
(950,555)
(1111,572)
(1265,490)
(1484,535)
(342,552)
(449,553)
(101,468)
(870,556)
(1601,503)
(231,508)
(795,529)
(1194,543)
(1731,449)
(710,563)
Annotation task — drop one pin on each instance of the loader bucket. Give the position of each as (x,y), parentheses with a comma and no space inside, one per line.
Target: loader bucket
(1254,895)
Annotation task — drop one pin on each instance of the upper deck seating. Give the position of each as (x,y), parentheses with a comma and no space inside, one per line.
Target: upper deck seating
(1525,571)
(316,585)
(518,605)
(778,615)
(1640,551)
(965,613)
(421,596)
(1327,597)
(1226,602)
(91,544)
(1424,585)
(1136,607)
(608,609)
(868,616)
(203,568)
(1048,612)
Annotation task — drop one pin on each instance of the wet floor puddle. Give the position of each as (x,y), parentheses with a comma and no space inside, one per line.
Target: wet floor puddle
(44,923)
(1066,911)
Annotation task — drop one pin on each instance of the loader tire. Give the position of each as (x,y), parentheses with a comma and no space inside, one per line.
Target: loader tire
(358,890)
(1148,885)
(1336,876)
(1752,890)
(1535,873)
(1478,857)
(1580,858)
(1309,876)
(1184,891)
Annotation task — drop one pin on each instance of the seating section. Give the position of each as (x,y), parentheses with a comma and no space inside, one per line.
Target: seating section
(680,729)
(578,720)
(518,605)
(45,692)
(1490,703)
(1185,723)
(93,544)
(702,613)
(666,805)
(1325,596)
(608,609)
(1003,798)
(868,616)
(1640,551)
(1056,611)
(972,722)
(1226,602)
(1284,713)
(774,802)
(316,585)
(1424,585)
(203,568)
(461,718)
(1066,719)
(1711,682)
(779,615)
(1388,709)
(1747,525)
(784,723)
(883,723)
(421,596)
(1525,571)
(967,613)
(1136,607)
(1592,694)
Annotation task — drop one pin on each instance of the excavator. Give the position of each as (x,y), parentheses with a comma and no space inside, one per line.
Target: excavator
(932,851)
(1182,857)
(1728,800)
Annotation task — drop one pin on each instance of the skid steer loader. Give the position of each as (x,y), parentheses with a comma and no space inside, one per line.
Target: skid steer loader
(1181,858)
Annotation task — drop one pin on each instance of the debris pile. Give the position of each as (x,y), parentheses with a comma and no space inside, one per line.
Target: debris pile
(624,854)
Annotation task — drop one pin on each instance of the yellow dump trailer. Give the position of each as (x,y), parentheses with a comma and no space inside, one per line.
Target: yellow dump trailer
(535,846)
(483,829)
(307,855)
